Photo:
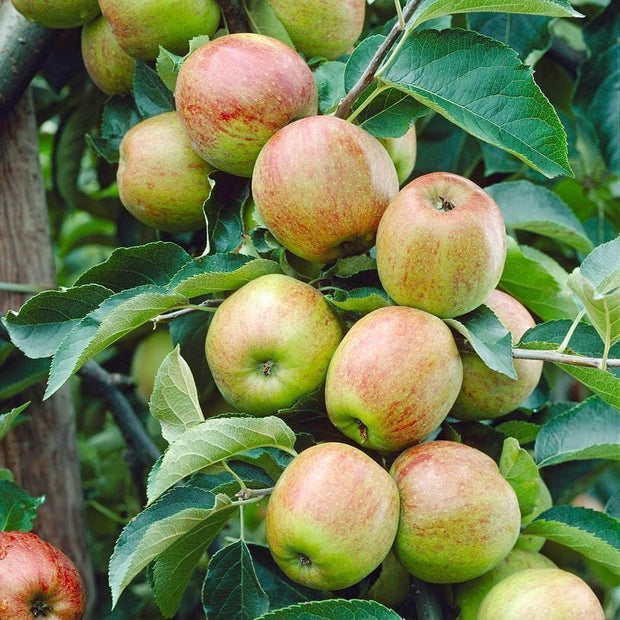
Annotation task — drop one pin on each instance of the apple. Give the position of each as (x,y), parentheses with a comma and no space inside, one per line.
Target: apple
(147,359)
(403,151)
(332,517)
(441,245)
(321,185)
(110,68)
(230,108)
(459,517)
(58,13)
(270,343)
(326,28)
(541,594)
(487,394)
(142,26)
(161,180)
(469,595)
(393,378)
(37,580)
(392,586)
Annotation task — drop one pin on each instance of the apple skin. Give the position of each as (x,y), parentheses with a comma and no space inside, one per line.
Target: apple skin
(469,595)
(147,359)
(459,517)
(109,67)
(441,245)
(332,517)
(161,180)
(58,13)
(229,120)
(141,26)
(393,378)
(541,594)
(270,343)
(487,394)
(321,185)
(37,579)
(403,151)
(325,28)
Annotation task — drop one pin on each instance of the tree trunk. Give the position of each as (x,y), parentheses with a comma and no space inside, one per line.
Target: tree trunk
(42,452)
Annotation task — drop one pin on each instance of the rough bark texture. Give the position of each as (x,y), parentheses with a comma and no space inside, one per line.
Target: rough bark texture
(42,453)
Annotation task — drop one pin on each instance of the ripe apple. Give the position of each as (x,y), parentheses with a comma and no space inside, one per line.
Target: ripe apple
(441,245)
(393,378)
(392,586)
(235,92)
(541,594)
(142,26)
(488,394)
(403,151)
(321,186)
(110,68)
(37,580)
(270,343)
(459,517)
(332,517)
(161,180)
(147,359)
(325,28)
(59,13)
(469,595)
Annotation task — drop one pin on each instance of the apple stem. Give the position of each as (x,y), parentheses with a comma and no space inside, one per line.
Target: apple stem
(250,493)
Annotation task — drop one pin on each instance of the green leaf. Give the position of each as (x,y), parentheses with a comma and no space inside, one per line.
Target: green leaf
(167,66)
(612,508)
(594,534)
(264,20)
(150,93)
(22,373)
(488,337)
(162,524)
(351,266)
(174,401)
(333,609)
(213,441)
(518,468)
(497,102)
(526,206)
(523,432)
(271,460)
(231,590)
(363,300)
(18,510)
(591,430)
(7,419)
(329,78)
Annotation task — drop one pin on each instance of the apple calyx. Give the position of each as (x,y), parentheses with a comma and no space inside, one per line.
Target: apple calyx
(363,429)
(444,205)
(40,609)
(304,559)
(267,366)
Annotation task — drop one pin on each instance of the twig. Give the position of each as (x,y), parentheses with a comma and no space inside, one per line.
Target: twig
(366,78)
(170,316)
(235,22)
(563,358)
(249,493)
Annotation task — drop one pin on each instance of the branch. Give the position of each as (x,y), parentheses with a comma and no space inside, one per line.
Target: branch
(345,106)
(235,21)
(166,318)
(563,358)
(248,493)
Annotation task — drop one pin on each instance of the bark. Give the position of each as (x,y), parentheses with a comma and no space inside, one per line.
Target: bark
(42,452)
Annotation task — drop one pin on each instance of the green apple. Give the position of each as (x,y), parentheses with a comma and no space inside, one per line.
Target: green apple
(488,394)
(142,26)
(393,378)
(161,180)
(147,359)
(441,245)
(541,594)
(469,595)
(332,517)
(403,151)
(392,586)
(321,186)
(235,92)
(327,28)
(58,13)
(110,68)
(459,517)
(270,343)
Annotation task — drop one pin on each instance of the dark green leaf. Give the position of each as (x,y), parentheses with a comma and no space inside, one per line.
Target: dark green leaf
(329,78)
(150,93)
(523,432)
(518,468)
(22,373)
(7,420)
(362,300)
(18,510)
(612,508)
(334,609)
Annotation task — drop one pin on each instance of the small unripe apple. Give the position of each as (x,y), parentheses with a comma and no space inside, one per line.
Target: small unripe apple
(321,186)
(321,27)
(270,343)
(541,594)
(142,26)
(332,517)
(393,378)
(161,180)
(37,580)
(487,394)
(110,68)
(235,92)
(403,151)
(441,245)
(459,517)
(147,359)
(58,13)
